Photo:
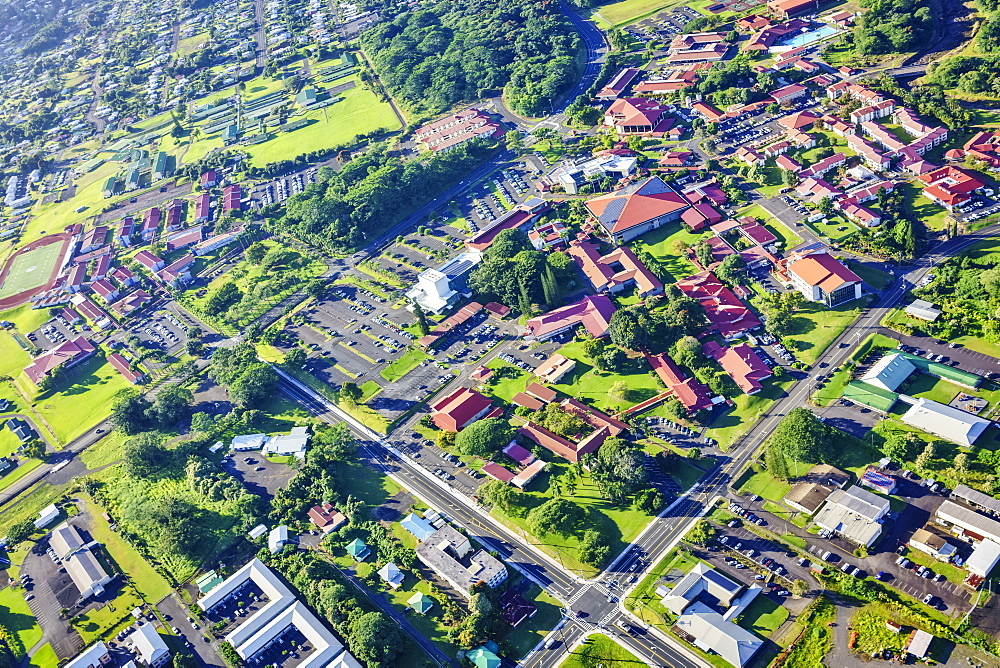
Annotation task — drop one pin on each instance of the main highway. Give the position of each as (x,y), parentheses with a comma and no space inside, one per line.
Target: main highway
(598,603)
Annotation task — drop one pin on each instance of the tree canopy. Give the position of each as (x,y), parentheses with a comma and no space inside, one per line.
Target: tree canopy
(483,438)
(443,53)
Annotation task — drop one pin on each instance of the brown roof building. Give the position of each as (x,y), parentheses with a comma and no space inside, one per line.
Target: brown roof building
(326,518)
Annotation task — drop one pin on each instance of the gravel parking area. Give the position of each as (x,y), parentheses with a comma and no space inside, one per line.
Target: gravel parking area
(259,475)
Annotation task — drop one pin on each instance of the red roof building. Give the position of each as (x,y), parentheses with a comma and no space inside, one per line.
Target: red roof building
(326,518)
(787,8)
(726,314)
(457,129)
(202,208)
(67,354)
(184,238)
(789,93)
(637,208)
(125,368)
(638,115)
(593,312)
(105,290)
(618,85)
(798,120)
(150,224)
(742,364)
(175,215)
(149,261)
(459,409)
(131,302)
(497,472)
(950,186)
(692,394)
(232,198)
(618,270)
(520,455)
(209,179)
(123,237)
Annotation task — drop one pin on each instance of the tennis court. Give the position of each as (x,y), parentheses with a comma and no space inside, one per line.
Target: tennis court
(31,270)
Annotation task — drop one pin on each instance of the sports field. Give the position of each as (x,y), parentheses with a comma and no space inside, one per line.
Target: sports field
(30,270)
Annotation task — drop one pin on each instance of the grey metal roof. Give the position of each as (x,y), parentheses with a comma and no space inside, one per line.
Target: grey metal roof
(977,498)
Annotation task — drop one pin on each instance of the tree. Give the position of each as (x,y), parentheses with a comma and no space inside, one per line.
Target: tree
(619,468)
(694,453)
(20,532)
(899,447)
(703,252)
(618,390)
(171,405)
(227,295)
(514,141)
(483,438)
(500,494)
(701,533)
(374,640)
(825,206)
(422,325)
(201,422)
(687,351)
(255,386)
(594,548)
(961,465)
(553,516)
(925,457)
(799,588)
(35,448)
(803,438)
(128,412)
(144,455)
(295,358)
(350,393)
(729,270)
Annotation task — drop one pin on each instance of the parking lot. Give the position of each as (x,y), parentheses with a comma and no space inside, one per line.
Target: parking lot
(257,473)
(491,199)
(666,24)
(54,332)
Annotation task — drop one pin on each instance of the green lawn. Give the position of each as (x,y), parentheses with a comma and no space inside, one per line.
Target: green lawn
(929,387)
(146,580)
(591,385)
(16,617)
(358,112)
(13,358)
(979,345)
(23,469)
(814,327)
(619,523)
(763,617)
(643,600)
(600,652)
(933,216)
(105,451)
(409,361)
(27,506)
(873,276)
(747,409)
(45,657)
(661,244)
(832,389)
(520,640)
(81,398)
(766,486)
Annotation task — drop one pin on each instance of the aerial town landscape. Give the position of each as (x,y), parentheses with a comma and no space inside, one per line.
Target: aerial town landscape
(583,334)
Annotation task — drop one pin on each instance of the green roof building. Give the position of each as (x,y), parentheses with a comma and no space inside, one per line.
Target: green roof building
(357,549)
(944,372)
(162,166)
(208,581)
(231,134)
(132,180)
(876,398)
(112,186)
(421,603)
(306,97)
(483,658)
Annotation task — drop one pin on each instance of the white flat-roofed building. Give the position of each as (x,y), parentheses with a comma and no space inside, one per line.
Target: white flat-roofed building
(274,618)
(967,523)
(922,310)
(87,573)
(976,498)
(889,372)
(854,513)
(47,516)
(249,442)
(95,656)
(948,422)
(984,558)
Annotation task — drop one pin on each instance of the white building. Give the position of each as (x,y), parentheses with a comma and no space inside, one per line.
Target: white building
(854,513)
(95,656)
(889,372)
(822,278)
(148,645)
(47,516)
(947,422)
(706,627)
(293,444)
(437,290)
(277,539)
(973,527)
(281,611)
(249,442)
(923,310)
(571,175)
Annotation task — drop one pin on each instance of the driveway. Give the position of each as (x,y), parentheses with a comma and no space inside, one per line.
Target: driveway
(176,614)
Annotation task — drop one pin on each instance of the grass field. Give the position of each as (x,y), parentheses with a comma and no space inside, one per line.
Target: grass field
(873,276)
(358,112)
(45,657)
(661,244)
(600,652)
(146,580)
(746,411)
(763,617)
(404,365)
(80,399)
(627,11)
(13,358)
(16,617)
(31,270)
(814,327)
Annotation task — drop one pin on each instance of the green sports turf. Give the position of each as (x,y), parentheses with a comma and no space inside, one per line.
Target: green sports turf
(30,270)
